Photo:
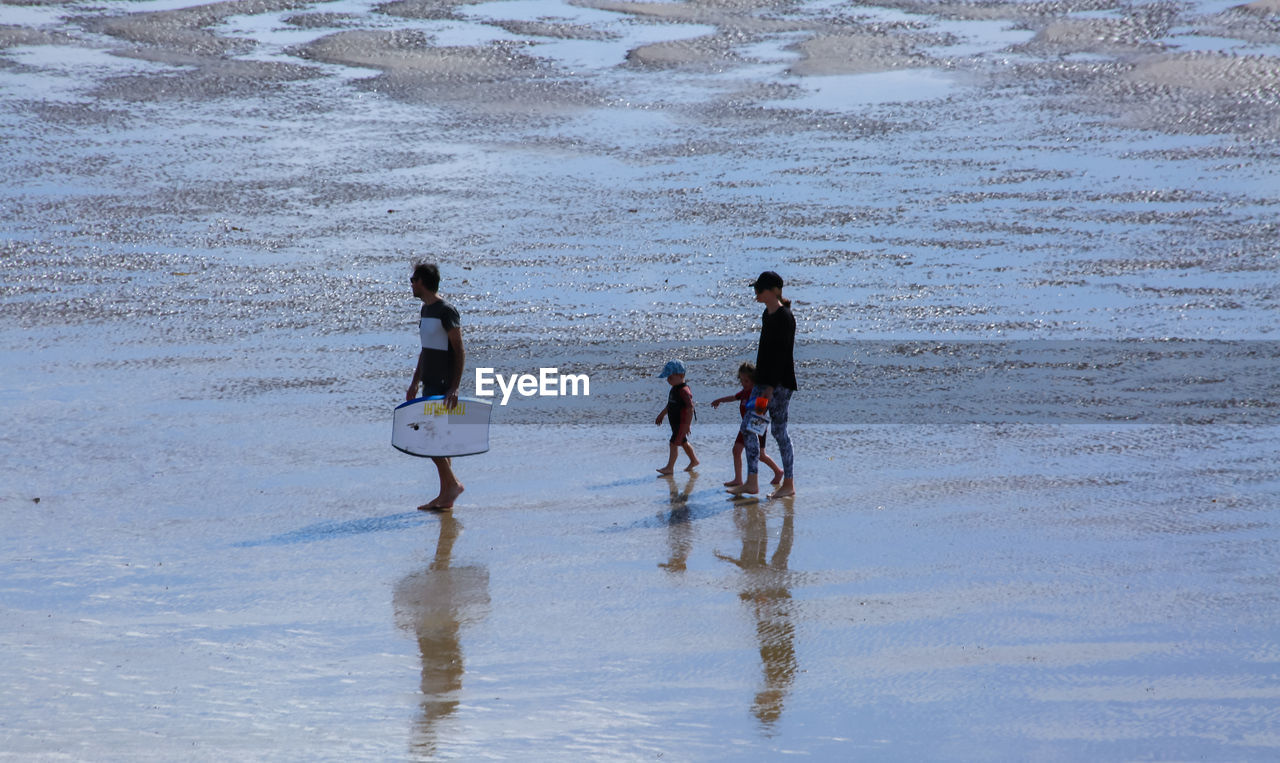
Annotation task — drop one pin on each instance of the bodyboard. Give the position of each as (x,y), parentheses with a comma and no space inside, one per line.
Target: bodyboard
(424,427)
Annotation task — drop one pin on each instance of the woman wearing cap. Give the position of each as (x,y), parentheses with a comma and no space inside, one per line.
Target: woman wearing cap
(775,381)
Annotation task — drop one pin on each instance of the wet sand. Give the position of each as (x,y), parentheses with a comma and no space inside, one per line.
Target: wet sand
(1019,534)
(223,584)
(956,592)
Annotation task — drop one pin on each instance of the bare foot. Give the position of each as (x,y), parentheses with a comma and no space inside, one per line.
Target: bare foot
(733,482)
(777,479)
(692,465)
(742,489)
(446,498)
(666,471)
(429,506)
(785,491)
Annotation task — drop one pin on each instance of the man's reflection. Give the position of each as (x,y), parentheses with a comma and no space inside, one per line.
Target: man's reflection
(434,604)
(679,526)
(764,589)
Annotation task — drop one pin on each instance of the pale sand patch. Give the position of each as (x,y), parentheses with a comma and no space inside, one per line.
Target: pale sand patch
(1101,36)
(735,18)
(184,28)
(1210,73)
(411,53)
(1262,7)
(856,54)
(834,49)
(705,51)
(733,21)
(497,77)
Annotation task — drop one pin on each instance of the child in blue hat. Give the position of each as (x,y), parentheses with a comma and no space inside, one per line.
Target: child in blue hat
(679,412)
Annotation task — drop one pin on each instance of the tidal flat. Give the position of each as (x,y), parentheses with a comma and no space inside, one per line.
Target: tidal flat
(1031,248)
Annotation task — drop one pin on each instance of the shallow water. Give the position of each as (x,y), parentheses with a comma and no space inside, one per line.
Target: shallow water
(1017,536)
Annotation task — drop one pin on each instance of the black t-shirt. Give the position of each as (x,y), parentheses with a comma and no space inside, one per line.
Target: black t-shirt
(437,320)
(775,361)
(679,405)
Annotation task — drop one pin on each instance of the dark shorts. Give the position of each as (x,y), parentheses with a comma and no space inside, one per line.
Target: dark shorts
(674,427)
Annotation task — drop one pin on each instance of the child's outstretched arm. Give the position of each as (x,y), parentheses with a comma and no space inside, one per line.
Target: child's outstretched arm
(716,403)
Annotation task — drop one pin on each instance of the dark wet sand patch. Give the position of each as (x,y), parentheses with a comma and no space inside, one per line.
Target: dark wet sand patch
(556,30)
(1257,23)
(423,10)
(319,20)
(15,36)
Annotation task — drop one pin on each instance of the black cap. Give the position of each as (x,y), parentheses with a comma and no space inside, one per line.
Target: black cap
(767,280)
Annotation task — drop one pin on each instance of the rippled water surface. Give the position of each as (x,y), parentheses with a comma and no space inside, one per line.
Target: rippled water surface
(1032,251)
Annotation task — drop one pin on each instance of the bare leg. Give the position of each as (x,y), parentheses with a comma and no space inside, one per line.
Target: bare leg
(670,468)
(769,462)
(737,464)
(751,446)
(693,460)
(750,487)
(450,488)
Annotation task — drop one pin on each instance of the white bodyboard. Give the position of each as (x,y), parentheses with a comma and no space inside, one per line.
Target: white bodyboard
(424,427)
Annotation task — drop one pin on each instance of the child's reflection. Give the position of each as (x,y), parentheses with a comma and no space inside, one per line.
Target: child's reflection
(679,526)
(764,588)
(434,604)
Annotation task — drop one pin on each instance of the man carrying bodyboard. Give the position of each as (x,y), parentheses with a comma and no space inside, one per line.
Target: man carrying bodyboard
(439,369)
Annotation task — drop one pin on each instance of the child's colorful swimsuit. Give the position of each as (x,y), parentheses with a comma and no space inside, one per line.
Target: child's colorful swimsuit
(742,397)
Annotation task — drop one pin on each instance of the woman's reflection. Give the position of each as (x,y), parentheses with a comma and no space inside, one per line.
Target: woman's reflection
(434,604)
(764,588)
